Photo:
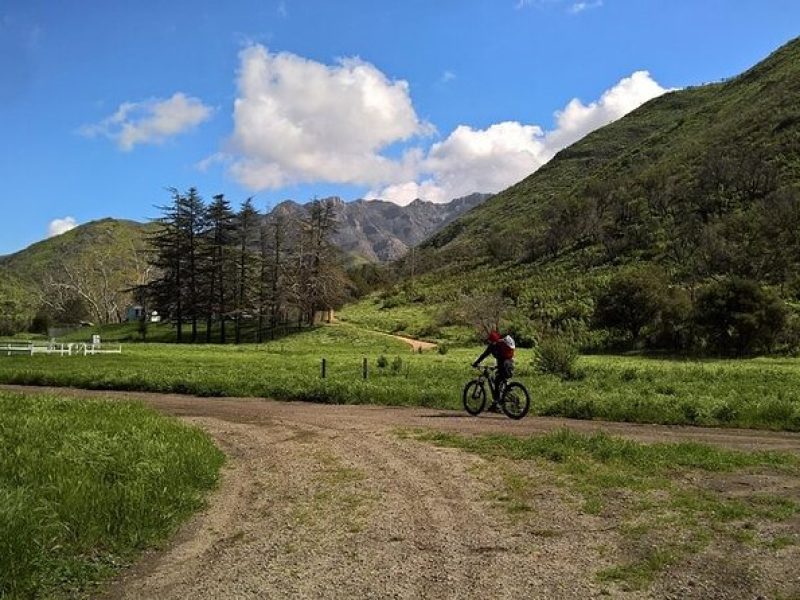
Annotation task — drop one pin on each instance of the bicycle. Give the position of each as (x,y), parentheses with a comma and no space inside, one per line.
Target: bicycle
(514,399)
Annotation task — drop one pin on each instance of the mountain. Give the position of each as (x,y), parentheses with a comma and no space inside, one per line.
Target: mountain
(651,185)
(87,273)
(696,185)
(380,231)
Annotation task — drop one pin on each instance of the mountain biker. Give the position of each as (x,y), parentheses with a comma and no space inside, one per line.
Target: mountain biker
(502,349)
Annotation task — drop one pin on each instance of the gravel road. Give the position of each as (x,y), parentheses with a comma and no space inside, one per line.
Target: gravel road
(322,501)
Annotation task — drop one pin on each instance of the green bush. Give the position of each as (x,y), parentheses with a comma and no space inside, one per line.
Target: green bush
(632,301)
(739,317)
(556,356)
(397,364)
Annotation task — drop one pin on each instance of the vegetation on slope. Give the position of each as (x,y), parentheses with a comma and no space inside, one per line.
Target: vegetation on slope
(701,184)
(85,274)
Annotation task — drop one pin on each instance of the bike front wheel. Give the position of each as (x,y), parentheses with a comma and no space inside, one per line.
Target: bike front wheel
(474,397)
(516,401)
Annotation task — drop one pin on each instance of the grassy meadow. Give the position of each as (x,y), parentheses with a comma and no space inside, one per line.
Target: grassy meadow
(85,484)
(760,393)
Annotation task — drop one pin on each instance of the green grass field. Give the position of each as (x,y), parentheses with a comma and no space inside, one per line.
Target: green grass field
(761,393)
(85,484)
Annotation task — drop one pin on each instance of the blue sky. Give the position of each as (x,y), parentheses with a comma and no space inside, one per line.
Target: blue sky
(104,104)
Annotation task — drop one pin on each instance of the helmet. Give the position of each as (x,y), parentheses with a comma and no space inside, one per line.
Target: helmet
(494,337)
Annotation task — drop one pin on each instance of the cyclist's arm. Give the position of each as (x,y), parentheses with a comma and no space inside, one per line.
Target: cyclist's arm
(486,353)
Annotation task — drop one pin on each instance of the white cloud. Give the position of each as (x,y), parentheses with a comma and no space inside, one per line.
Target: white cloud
(301,121)
(297,120)
(579,7)
(489,160)
(59,226)
(578,119)
(574,8)
(151,121)
(447,77)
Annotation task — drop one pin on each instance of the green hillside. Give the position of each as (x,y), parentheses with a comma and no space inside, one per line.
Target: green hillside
(696,185)
(83,274)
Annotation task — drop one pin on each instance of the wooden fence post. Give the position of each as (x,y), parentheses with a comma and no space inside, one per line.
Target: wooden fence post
(365,368)
(323,368)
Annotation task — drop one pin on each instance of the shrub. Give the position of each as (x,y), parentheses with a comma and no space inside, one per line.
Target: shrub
(382,362)
(737,316)
(399,326)
(673,324)
(442,349)
(632,301)
(556,356)
(397,364)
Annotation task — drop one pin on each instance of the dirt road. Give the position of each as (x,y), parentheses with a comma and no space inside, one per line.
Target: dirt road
(329,502)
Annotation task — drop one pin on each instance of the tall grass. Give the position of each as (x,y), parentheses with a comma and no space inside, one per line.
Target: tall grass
(760,393)
(84,484)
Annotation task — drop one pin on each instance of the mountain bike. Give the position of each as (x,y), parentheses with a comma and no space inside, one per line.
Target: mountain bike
(513,399)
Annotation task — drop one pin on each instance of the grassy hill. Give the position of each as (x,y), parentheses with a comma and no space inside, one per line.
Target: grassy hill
(82,274)
(666,146)
(697,184)
(102,236)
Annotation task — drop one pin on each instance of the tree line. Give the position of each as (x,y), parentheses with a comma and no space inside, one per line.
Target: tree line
(226,275)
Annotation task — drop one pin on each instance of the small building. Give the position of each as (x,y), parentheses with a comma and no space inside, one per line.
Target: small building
(137,313)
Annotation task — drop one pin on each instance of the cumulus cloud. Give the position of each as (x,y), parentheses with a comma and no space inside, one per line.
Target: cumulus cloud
(489,160)
(297,120)
(59,226)
(578,119)
(300,121)
(151,121)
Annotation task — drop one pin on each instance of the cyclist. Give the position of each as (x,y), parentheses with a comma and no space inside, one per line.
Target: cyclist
(502,349)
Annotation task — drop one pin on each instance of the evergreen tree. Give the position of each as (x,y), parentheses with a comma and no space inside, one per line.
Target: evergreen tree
(218,263)
(192,224)
(166,290)
(322,279)
(247,264)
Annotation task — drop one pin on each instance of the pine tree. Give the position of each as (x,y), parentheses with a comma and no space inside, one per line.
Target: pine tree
(247,263)
(166,289)
(192,212)
(218,263)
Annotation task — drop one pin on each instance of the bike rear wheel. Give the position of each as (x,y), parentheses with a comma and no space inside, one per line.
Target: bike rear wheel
(474,397)
(516,401)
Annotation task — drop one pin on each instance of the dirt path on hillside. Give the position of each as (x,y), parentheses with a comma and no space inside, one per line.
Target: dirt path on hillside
(416,345)
(321,501)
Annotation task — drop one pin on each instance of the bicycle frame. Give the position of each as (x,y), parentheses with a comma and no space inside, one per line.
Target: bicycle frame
(486,374)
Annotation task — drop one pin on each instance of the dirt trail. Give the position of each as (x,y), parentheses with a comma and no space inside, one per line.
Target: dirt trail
(416,345)
(322,501)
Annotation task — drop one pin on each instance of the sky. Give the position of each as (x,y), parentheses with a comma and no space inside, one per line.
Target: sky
(105,104)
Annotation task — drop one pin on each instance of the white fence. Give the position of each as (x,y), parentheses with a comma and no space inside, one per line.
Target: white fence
(71,349)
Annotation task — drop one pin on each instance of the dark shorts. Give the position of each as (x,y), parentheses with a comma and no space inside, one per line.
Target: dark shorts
(506,369)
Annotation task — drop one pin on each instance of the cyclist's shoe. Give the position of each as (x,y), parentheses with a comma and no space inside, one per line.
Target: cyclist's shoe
(494,407)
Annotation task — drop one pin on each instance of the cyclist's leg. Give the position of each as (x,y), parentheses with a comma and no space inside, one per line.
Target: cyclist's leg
(505,371)
(497,392)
